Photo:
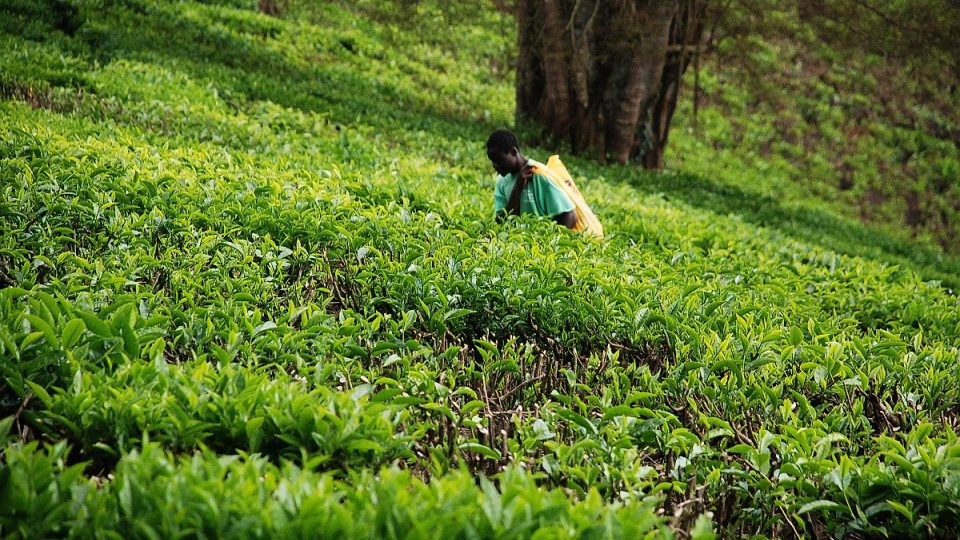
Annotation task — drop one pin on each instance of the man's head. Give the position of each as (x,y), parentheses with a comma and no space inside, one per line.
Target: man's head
(504,152)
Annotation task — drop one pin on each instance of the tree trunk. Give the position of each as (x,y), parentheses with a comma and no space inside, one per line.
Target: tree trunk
(604,76)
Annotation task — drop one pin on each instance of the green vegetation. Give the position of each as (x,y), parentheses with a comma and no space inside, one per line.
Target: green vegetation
(252,287)
(871,129)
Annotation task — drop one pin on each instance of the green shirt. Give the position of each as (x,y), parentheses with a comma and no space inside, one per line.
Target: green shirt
(540,197)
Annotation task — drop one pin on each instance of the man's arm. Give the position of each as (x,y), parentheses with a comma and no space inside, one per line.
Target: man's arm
(567,219)
(513,204)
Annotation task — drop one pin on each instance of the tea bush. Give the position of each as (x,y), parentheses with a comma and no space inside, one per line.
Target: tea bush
(252,287)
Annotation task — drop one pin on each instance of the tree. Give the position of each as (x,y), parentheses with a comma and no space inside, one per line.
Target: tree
(604,76)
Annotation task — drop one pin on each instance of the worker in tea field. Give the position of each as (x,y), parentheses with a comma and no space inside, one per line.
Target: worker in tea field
(519,189)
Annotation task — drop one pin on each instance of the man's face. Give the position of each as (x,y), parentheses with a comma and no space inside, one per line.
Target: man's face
(505,162)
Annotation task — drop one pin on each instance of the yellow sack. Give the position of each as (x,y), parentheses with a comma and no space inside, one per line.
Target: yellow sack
(558,174)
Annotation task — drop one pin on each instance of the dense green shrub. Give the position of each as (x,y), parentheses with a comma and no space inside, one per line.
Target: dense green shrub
(256,300)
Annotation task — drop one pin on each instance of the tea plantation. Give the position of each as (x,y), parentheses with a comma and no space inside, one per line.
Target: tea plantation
(252,287)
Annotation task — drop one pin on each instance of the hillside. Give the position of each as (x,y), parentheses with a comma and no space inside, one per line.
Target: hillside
(872,131)
(252,287)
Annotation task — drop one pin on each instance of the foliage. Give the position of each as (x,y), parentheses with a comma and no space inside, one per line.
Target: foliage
(242,496)
(869,126)
(244,297)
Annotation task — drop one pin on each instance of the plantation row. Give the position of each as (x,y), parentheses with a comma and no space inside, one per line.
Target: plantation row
(231,276)
(209,495)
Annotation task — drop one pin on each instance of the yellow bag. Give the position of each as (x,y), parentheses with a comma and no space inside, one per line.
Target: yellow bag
(557,173)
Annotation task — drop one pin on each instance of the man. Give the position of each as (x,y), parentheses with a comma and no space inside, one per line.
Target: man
(519,190)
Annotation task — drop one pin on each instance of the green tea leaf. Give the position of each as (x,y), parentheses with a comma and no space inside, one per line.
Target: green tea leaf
(478,448)
(818,506)
(71,332)
(94,324)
